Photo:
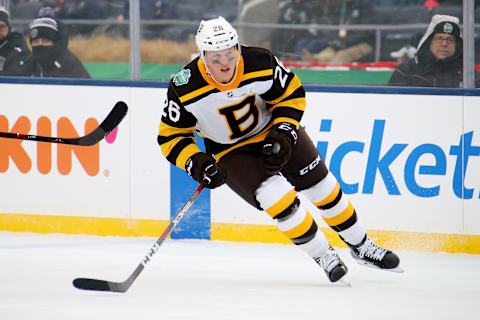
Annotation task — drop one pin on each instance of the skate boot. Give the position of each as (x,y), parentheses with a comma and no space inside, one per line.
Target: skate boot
(332,264)
(369,254)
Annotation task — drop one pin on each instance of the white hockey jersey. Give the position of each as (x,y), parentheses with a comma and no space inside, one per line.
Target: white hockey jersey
(262,93)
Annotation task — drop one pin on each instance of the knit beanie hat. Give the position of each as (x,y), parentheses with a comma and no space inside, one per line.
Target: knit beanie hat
(4,15)
(448,27)
(441,24)
(44,27)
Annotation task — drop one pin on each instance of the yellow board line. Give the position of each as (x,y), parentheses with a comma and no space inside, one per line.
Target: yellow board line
(415,241)
(82,225)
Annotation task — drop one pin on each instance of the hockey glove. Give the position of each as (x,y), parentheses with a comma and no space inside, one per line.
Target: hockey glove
(203,168)
(278,146)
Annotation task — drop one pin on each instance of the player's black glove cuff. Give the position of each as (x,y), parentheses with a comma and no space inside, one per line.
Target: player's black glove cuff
(278,146)
(203,168)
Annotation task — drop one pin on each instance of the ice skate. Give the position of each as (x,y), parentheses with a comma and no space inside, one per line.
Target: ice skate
(369,254)
(333,265)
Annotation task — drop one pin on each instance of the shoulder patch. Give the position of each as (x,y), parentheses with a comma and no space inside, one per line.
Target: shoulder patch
(182,77)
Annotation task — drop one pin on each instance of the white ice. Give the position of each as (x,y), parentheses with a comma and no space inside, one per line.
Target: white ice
(210,280)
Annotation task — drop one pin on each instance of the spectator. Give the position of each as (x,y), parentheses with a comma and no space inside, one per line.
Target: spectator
(439,58)
(345,45)
(119,11)
(155,10)
(283,42)
(50,54)
(80,9)
(13,49)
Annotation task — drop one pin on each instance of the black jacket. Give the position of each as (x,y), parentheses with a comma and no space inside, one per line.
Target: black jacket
(436,73)
(56,61)
(13,53)
(425,70)
(63,65)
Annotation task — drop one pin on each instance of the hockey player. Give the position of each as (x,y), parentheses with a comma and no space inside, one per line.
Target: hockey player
(247,106)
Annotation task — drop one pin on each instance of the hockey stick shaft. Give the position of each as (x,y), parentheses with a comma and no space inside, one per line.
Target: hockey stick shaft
(103,285)
(108,125)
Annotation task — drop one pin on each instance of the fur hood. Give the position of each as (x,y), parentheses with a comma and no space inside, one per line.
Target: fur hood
(440,24)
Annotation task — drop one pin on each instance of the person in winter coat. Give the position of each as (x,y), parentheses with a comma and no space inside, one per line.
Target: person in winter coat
(50,54)
(439,58)
(13,49)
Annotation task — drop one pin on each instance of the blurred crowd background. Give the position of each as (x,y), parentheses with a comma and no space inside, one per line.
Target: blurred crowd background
(355,41)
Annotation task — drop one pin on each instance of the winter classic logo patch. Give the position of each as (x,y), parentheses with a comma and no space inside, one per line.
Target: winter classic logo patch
(182,77)
(34,33)
(447,28)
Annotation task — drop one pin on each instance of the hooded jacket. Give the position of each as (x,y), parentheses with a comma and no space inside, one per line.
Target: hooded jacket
(425,70)
(55,61)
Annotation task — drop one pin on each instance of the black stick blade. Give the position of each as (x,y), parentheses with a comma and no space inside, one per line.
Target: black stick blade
(113,119)
(102,285)
(93,284)
(108,125)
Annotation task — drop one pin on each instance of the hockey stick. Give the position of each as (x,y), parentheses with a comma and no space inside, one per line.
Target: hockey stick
(103,285)
(108,125)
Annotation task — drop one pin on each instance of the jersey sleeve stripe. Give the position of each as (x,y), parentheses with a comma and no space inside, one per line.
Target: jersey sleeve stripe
(287,113)
(178,150)
(169,146)
(297,103)
(162,139)
(292,87)
(285,119)
(298,93)
(166,130)
(185,154)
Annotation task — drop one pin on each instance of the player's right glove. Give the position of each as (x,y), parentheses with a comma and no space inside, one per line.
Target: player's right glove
(203,168)
(278,146)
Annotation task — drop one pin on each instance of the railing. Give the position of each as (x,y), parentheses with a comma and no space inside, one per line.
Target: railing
(377,29)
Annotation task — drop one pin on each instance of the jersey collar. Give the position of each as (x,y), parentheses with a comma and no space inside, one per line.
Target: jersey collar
(237,77)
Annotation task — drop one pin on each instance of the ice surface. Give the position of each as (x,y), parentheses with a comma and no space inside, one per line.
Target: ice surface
(210,280)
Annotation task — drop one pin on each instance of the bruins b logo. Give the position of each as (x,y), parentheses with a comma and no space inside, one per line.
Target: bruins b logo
(241,117)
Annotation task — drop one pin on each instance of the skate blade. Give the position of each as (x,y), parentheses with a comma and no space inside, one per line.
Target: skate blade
(398,269)
(343,282)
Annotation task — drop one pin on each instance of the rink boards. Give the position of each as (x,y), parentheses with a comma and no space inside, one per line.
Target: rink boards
(409,159)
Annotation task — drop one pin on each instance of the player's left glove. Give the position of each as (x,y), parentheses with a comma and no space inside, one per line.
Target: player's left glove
(278,146)
(204,169)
